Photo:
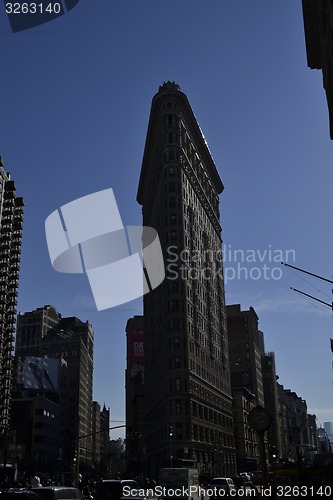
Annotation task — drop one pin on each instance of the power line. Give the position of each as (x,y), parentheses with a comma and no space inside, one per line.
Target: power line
(310,284)
(307,272)
(314,298)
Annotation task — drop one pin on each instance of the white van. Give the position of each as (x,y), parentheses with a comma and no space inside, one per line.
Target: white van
(178,483)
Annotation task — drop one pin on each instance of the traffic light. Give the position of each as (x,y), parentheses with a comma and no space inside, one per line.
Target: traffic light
(75,457)
(171,431)
(274,452)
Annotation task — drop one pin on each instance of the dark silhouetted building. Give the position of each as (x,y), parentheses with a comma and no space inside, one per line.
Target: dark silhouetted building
(96,437)
(38,423)
(43,332)
(247,451)
(105,440)
(318,28)
(135,457)
(272,405)
(245,351)
(11,220)
(32,327)
(188,404)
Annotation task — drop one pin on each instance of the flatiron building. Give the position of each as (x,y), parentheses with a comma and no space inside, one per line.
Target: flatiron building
(188,404)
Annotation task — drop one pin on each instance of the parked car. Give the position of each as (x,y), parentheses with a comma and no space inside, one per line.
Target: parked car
(19,495)
(221,483)
(57,493)
(112,489)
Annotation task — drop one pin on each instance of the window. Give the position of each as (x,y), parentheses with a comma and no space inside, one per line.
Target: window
(172,187)
(172,203)
(175,305)
(179,430)
(175,324)
(176,343)
(177,362)
(177,384)
(178,406)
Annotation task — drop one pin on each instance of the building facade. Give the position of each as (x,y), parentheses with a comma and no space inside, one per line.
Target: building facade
(328,426)
(318,28)
(297,438)
(245,350)
(96,434)
(32,327)
(105,440)
(73,340)
(134,378)
(188,408)
(11,220)
(247,450)
(272,405)
(38,420)
(43,332)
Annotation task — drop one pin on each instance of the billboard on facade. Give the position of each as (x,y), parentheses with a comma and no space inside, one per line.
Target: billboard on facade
(136,356)
(40,373)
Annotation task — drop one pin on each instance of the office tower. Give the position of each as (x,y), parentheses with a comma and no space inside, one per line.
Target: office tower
(245,344)
(32,326)
(43,332)
(11,219)
(272,404)
(297,422)
(328,426)
(37,420)
(100,438)
(73,340)
(324,444)
(188,406)
(313,436)
(96,437)
(105,440)
(246,347)
(247,450)
(135,458)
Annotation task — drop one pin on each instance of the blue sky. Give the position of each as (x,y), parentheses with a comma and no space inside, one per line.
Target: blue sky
(75,102)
